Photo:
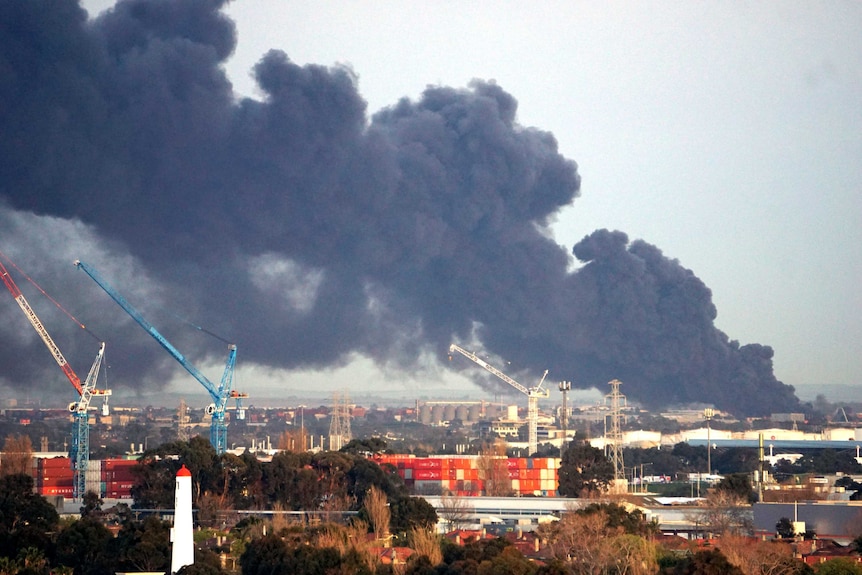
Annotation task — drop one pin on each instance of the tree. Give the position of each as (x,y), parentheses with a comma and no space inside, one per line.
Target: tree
(426,543)
(91,504)
(455,511)
(288,479)
(17,455)
(199,569)
(509,561)
(377,507)
(271,555)
(264,556)
(761,557)
(83,545)
(711,562)
(839,566)
(411,512)
(736,460)
(494,470)
(584,469)
(737,485)
(143,546)
(21,509)
(580,539)
(365,474)
(727,513)
(616,516)
(784,528)
(364,446)
(633,555)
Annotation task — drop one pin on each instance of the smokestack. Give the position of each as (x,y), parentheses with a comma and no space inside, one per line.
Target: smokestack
(183,549)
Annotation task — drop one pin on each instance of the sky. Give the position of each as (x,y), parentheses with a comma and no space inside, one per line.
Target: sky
(726,135)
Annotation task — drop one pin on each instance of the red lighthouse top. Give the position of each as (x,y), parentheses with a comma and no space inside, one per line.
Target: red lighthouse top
(184,471)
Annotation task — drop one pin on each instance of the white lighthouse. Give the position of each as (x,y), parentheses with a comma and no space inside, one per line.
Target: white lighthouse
(183,548)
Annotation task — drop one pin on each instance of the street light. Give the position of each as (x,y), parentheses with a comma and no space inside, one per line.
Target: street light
(708,413)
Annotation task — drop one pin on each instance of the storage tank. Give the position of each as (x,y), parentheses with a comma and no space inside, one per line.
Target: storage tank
(461,413)
(474,413)
(437,414)
(425,414)
(449,412)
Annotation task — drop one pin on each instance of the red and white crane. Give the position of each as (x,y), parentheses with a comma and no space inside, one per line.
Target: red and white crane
(80,449)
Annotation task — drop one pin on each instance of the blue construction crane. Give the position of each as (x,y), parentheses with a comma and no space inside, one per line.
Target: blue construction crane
(219,393)
(79,453)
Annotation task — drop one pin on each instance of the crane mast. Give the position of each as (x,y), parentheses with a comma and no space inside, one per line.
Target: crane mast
(533,394)
(218,393)
(79,453)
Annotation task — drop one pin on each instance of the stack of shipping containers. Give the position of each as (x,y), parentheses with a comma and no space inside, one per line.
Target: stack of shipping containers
(110,478)
(118,478)
(55,477)
(465,475)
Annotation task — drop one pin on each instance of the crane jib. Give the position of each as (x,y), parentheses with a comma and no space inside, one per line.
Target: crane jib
(43,333)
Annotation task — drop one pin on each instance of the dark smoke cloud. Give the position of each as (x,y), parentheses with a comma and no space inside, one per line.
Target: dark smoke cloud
(306,230)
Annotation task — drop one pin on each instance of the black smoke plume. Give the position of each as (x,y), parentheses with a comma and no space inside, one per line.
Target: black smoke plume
(309,230)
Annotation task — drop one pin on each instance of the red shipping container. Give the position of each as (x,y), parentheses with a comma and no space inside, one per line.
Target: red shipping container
(55,477)
(56,491)
(115,463)
(428,463)
(427,475)
(118,476)
(53,482)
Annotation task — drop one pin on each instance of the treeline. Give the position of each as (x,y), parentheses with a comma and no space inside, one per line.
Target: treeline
(323,482)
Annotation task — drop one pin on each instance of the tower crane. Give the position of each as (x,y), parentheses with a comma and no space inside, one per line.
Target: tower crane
(79,454)
(533,394)
(218,393)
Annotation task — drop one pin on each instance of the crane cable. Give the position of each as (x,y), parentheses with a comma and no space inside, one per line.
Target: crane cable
(199,328)
(43,292)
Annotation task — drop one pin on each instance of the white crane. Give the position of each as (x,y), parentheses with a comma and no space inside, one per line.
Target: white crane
(533,394)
